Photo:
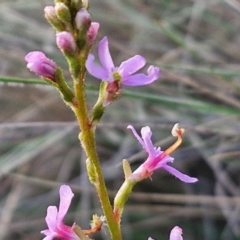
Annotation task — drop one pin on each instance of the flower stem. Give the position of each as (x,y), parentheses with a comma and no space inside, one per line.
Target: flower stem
(87,138)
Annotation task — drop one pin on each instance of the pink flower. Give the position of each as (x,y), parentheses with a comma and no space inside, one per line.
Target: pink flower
(125,73)
(176,234)
(54,218)
(157,158)
(41,65)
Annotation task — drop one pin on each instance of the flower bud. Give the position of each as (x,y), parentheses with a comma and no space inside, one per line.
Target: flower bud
(66,42)
(63,1)
(50,15)
(63,12)
(92,33)
(41,65)
(82,19)
(78,4)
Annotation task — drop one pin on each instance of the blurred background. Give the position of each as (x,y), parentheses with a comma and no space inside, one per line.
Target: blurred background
(196,45)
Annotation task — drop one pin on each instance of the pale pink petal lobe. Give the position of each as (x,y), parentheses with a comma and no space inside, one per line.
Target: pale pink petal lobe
(96,70)
(146,136)
(105,56)
(66,196)
(136,135)
(176,234)
(183,177)
(131,65)
(51,218)
(142,79)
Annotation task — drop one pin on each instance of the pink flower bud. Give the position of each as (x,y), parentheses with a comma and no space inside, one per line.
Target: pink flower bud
(63,12)
(41,65)
(50,13)
(92,33)
(82,18)
(66,41)
(51,16)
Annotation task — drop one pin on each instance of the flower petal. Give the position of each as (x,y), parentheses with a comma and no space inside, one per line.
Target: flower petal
(161,162)
(51,218)
(66,196)
(104,55)
(131,65)
(183,177)
(142,79)
(176,234)
(49,234)
(136,135)
(49,237)
(94,69)
(148,145)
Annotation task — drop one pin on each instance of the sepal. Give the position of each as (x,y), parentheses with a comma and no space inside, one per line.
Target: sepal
(65,91)
(99,107)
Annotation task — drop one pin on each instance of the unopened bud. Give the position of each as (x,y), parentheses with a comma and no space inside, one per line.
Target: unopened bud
(51,16)
(66,42)
(78,4)
(92,33)
(82,19)
(41,65)
(63,12)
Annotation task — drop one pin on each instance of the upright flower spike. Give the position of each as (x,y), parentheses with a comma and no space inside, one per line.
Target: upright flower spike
(157,158)
(125,73)
(41,65)
(54,219)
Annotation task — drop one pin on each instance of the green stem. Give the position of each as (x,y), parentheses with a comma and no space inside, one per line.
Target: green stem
(87,138)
